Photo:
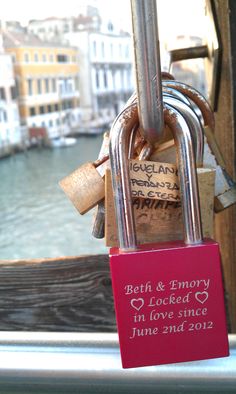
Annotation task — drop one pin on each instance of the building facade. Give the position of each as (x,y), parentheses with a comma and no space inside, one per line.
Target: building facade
(105,62)
(10,130)
(47,82)
(106,79)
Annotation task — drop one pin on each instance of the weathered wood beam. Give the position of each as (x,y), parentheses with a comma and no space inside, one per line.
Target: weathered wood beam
(225,223)
(64,294)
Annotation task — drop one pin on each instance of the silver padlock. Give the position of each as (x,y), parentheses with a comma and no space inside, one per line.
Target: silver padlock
(143,274)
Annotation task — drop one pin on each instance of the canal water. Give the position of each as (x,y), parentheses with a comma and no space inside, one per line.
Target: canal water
(36,218)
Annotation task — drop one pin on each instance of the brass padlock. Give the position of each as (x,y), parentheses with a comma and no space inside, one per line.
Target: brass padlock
(85,186)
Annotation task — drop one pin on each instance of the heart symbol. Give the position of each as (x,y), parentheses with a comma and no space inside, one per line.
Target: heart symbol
(137,303)
(201,296)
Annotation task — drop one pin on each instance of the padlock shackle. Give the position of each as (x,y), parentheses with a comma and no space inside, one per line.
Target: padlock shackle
(175,93)
(148,69)
(194,124)
(119,150)
(196,97)
(192,94)
(187,175)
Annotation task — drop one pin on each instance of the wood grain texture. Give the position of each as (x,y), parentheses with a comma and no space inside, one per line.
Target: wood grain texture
(65,294)
(225,222)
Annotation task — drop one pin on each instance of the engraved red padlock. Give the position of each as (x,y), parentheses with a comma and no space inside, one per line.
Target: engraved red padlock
(168,297)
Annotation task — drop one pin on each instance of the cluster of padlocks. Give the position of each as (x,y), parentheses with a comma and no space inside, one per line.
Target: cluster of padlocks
(149,194)
(159,157)
(154,184)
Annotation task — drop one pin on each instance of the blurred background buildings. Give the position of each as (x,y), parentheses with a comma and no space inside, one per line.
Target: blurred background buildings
(63,76)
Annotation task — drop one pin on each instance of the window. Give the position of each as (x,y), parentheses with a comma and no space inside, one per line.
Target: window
(54,85)
(51,58)
(66,28)
(17,86)
(95,48)
(32,111)
(26,57)
(46,82)
(4,116)
(30,86)
(105,78)
(13,92)
(2,94)
(97,79)
(77,83)
(41,109)
(110,26)
(50,123)
(56,106)
(111,49)
(44,57)
(49,108)
(39,86)
(36,57)
(62,58)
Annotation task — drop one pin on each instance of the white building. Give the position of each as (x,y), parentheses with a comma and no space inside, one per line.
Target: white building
(51,29)
(105,62)
(106,80)
(10,130)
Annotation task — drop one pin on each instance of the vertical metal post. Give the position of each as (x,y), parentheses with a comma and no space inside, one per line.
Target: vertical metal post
(148,68)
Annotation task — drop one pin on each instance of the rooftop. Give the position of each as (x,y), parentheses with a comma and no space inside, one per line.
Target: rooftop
(12,39)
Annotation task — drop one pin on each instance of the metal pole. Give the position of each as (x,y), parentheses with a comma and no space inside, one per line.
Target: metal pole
(148,69)
(89,363)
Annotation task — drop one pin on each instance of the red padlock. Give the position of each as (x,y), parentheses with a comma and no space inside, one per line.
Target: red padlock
(168,297)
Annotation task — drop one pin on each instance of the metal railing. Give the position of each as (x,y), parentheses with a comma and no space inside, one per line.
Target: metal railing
(90,363)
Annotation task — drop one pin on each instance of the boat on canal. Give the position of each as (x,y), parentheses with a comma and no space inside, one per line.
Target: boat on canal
(62,142)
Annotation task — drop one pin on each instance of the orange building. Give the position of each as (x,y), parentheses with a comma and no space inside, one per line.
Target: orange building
(47,80)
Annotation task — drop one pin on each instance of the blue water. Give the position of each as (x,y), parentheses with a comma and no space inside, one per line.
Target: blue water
(36,218)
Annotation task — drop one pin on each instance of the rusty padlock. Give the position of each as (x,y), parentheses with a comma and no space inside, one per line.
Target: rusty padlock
(168,297)
(98,230)
(85,186)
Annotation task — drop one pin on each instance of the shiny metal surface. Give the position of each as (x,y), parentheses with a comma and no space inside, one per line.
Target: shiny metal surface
(89,363)
(187,175)
(176,93)
(119,150)
(197,98)
(200,51)
(194,124)
(148,69)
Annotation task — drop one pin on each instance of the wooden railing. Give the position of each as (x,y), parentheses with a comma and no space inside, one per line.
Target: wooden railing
(63,294)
